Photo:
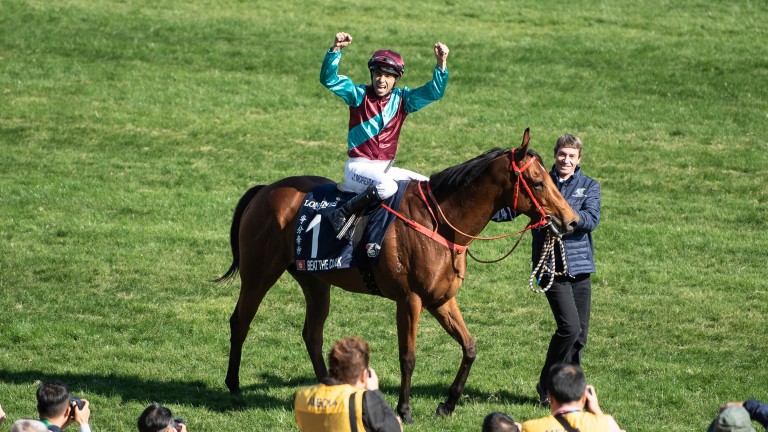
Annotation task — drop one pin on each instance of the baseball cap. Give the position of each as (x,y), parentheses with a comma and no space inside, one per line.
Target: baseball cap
(732,419)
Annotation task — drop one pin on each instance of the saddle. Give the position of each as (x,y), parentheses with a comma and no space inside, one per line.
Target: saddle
(315,242)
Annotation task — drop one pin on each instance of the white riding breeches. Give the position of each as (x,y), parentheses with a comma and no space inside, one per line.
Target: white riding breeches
(359,173)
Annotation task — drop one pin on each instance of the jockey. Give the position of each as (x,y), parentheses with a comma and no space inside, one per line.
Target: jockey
(376,115)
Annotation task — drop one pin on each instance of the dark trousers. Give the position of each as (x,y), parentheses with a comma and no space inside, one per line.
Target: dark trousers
(570,300)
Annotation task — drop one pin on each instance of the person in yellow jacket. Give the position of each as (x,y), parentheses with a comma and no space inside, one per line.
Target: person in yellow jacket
(573,403)
(348,400)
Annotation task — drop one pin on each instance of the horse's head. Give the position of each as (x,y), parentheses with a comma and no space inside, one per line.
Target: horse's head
(535,194)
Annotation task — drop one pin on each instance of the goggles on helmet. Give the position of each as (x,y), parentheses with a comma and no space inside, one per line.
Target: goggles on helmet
(387,61)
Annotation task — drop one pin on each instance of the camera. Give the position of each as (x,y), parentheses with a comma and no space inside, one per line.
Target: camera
(177,422)
(75,401)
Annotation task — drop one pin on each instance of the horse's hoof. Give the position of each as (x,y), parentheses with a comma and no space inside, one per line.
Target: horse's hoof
(442,410)
(234,388)
(406,418)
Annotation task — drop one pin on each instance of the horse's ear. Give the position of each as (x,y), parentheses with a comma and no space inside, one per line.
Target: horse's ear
(523,149)
(526,139)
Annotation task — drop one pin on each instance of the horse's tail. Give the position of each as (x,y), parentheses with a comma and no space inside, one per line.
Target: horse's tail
(234,232)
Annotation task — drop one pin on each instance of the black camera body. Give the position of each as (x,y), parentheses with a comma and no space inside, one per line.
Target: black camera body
(75,401)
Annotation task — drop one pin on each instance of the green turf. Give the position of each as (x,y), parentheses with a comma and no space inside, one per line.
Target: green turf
(129,129)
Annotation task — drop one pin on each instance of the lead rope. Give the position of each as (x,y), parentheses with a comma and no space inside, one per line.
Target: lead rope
(548,256)
(469,252)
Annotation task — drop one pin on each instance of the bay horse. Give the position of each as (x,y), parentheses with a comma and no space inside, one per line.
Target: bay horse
(413,270)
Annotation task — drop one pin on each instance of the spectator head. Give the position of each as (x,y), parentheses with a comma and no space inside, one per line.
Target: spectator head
(567,383)
(732,419)
(499,422)
(28,426)
(156,418)
(53,399)
(347,359)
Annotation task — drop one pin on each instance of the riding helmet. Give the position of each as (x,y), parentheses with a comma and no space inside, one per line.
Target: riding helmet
(387,61)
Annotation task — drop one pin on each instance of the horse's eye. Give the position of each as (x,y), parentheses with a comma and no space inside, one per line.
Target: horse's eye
(538,186)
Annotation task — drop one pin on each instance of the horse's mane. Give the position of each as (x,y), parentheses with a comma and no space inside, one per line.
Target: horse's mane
(463,174)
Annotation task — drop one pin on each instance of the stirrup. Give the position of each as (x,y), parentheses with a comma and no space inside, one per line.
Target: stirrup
(347,225)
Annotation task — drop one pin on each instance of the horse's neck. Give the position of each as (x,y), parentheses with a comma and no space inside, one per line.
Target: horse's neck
(470,207)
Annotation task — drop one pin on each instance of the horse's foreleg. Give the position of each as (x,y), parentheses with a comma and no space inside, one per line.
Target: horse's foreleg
(449,316)
(408,312)
(318,296)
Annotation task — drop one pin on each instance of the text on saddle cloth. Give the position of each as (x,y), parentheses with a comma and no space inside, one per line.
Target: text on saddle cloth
(316,246)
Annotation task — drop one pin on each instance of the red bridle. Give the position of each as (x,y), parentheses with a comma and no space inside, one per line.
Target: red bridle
(544,221)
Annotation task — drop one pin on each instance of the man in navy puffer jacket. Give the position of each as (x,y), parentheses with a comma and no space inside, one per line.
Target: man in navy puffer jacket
(570,296)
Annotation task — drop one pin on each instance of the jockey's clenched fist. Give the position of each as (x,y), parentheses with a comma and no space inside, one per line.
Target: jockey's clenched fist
(342,39)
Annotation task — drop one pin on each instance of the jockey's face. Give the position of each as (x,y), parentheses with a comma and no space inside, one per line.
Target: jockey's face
(383,82)
(566,160)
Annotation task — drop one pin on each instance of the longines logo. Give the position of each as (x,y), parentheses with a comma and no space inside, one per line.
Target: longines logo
(319,204)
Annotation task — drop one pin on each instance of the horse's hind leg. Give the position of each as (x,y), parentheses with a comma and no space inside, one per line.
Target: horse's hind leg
(318,296)
(408,313)
(254,285)
(449,316)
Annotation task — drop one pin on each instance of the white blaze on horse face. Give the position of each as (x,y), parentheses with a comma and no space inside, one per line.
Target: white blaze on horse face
(542,167)
(566,161)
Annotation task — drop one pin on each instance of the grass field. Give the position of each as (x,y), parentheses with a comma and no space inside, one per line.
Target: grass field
(129,129)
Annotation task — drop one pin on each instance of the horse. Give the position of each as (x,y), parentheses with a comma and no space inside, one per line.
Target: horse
(462,197)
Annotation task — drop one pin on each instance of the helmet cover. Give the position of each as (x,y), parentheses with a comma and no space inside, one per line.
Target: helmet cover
(387,61)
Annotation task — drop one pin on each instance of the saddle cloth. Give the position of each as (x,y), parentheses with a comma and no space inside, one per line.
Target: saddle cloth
(316,246)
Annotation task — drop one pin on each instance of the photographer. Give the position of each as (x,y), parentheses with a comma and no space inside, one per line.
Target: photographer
(157,418)
(58,408)
(499,422)
(573,403)
(25,425)
(348,398)
(735,416)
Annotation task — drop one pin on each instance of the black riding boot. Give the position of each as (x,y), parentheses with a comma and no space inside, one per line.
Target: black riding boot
(343,217)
